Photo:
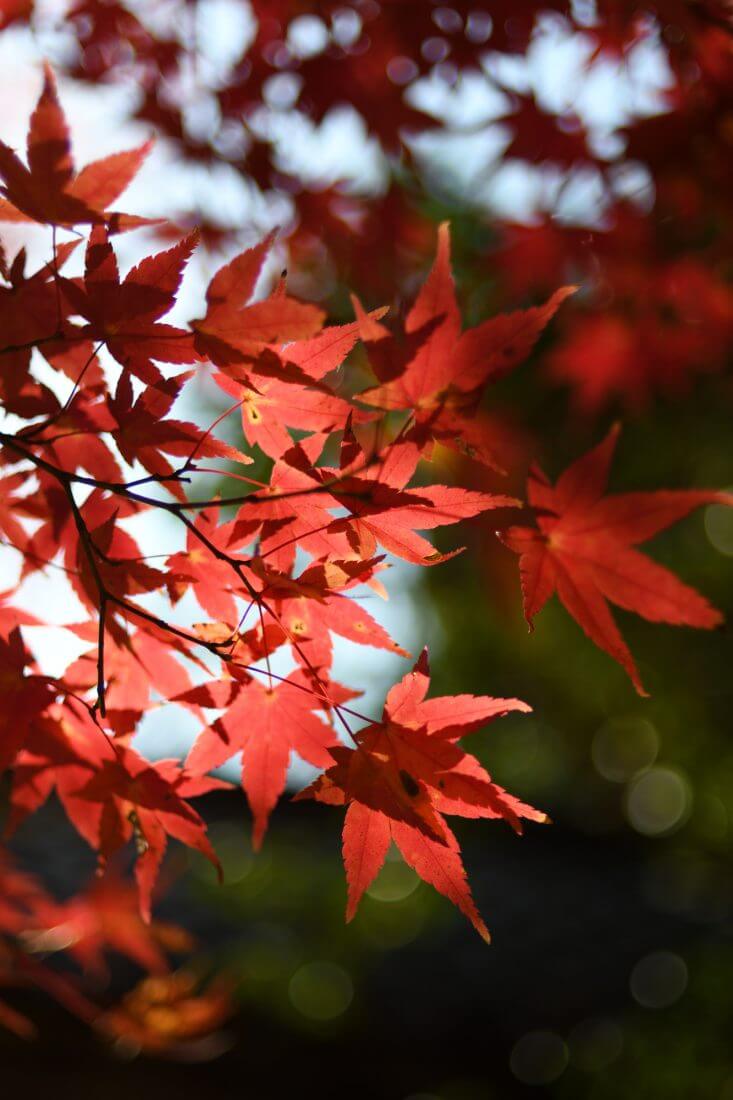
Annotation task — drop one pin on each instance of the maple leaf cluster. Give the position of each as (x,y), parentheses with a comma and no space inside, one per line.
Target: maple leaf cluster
(275,566)
(657,311)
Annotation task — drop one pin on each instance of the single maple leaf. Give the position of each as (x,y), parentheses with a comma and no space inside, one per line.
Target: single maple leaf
(106,917)
(136,666)
(232,331)
(49,190)
(145,802)
(213,581)
(33,312)
(125,315)
(266,723)
(270,406)
(445,370)
(405,772)
(26,695)
(144,433)
(293,511)
(317,605)
(326,351)
(583,548)
(384,512)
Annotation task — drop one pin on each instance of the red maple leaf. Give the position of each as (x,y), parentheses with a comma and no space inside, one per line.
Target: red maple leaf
(27,696)
(119,563)
(312,606)
(232,331)
(136,665)
(266,723)
(293,511)
(441,372)
(49,190)
(583,549)
(214,582)
(385,512)
(63,750)
(125,315)
(33,313)
(144,433)
(270,406)
(404,774)
(658,308)
(145,802)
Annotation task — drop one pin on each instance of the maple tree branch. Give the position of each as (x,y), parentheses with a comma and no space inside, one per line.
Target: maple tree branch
(217,650)
(153,479)
(230,474)
(311,691)
(90,553)
(105,596)
(238,566)
(101,626)
(249,498)
(207,433)
(431,373)
(38,559)
(289,542)
(264,642)
(179,507)
(35,429)
(240,624)
(54,262)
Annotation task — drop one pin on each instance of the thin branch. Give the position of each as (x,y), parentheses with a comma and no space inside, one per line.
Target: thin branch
(90,554)
(209,430)
(175,508)
(35,429)
(38,559)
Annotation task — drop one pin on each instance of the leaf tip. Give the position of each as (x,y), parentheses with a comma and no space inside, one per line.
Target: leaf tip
(49,78)
(483,932)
